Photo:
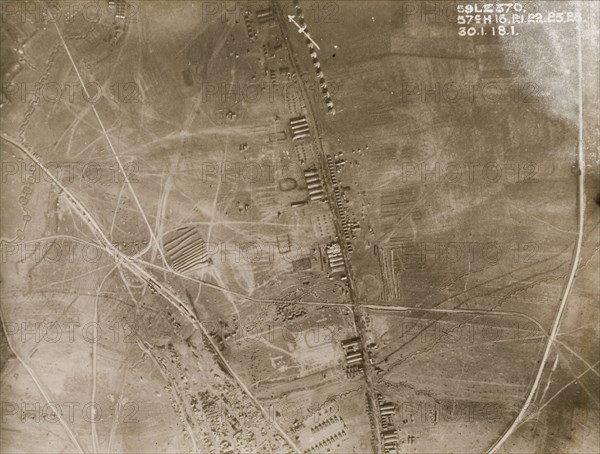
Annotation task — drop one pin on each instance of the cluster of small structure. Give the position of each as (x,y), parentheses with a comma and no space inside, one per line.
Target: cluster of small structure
(314,185)
(187,250)
(335,260)
(291,311)
(120,8)
(299,128)
(250,27)
(265,15)
(317,448)
(322,432)
(269,51)
(355,362)
(347,225)
(389,433)
(315,61)
(390,441)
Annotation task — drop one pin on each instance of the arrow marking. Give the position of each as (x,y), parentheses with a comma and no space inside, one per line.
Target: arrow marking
(302,30)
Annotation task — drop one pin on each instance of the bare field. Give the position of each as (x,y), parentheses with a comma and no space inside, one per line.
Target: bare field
(299,226)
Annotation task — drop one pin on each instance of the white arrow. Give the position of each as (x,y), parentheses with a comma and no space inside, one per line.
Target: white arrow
(301,30)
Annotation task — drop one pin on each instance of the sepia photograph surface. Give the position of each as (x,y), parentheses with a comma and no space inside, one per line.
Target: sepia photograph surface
(300,226)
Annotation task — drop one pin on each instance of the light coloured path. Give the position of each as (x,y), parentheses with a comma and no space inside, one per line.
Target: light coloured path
(49,401)
(134,267)
(576,259)
(108,141)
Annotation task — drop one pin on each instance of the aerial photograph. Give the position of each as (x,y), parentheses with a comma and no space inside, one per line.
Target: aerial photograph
(300,226)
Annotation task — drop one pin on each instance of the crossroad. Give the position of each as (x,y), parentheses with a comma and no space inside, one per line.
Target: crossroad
(134,267)
(358,322)
(576,259)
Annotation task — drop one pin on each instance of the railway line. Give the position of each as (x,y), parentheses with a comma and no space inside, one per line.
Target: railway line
(134,267)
